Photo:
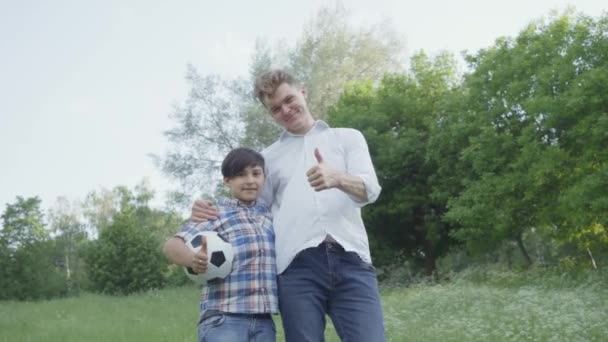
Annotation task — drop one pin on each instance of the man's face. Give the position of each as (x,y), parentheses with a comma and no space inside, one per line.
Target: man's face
(247,184)
(288,108)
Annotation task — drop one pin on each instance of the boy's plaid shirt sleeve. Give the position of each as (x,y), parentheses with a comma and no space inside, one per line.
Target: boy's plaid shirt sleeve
(190,228)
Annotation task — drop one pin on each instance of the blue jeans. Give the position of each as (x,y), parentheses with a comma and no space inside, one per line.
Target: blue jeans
(327,280)
(237,328)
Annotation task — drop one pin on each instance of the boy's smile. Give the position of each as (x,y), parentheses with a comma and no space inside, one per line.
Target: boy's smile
(246,185)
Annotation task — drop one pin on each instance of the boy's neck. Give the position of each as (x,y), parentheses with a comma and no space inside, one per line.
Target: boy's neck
(245,203)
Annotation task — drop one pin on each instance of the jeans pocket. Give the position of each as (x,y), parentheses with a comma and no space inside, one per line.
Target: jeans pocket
(356,259)
(208,324)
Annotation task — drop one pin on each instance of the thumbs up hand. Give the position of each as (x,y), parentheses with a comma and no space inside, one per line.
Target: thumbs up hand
(320,176)
(200,261)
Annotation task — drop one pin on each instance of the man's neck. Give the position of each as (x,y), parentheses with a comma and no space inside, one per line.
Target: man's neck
(304,129)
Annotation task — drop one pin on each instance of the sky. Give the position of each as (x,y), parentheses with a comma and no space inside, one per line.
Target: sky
(87,87)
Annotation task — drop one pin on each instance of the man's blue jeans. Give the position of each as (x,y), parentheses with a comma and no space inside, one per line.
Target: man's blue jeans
(326,279)
(237,328)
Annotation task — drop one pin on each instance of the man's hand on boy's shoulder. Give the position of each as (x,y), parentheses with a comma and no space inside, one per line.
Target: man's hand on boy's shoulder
(202,211)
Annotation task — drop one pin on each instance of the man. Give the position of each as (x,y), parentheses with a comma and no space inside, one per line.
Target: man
(317,180)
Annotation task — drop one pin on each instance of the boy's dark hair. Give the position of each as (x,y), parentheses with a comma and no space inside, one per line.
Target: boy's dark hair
(240,158)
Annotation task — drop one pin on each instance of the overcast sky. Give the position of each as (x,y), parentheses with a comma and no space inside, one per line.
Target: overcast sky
(86,87)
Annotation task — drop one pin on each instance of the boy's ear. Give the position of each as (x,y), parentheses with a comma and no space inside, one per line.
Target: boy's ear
(226,180)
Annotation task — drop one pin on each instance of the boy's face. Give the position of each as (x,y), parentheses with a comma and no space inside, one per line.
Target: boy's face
(247,185)
(288,108)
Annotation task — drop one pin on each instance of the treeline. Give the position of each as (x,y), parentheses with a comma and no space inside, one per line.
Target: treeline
(110,243)
(506,162)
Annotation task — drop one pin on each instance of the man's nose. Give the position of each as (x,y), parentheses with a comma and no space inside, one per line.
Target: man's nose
(284,108)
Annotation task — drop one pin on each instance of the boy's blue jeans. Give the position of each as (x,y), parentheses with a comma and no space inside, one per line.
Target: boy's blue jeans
(326,279)
(237,328)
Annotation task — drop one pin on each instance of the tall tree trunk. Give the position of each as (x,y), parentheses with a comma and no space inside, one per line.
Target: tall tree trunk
(522,248)
(67,266)
(592,259)
(430,265)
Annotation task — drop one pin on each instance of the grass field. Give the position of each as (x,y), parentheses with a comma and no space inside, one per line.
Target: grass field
(460,311)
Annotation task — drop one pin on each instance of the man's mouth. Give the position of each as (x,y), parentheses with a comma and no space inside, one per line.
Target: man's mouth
(291,116)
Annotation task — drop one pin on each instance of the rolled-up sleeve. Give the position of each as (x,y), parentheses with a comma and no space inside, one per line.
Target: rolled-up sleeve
(359,163)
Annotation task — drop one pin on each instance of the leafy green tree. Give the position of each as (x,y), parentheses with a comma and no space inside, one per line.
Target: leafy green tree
(22,223)
(397,119)
(126,257)
(28,268)
(538,156)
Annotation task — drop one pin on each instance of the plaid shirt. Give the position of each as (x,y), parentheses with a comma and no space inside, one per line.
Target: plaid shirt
(251,287)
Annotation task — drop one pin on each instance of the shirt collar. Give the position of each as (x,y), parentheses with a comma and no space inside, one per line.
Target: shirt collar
(319,125)
(234,203)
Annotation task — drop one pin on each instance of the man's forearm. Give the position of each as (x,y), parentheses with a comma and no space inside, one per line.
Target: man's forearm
(354,186)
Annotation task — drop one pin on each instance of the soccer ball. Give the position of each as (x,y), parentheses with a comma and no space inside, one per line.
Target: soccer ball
(220,256)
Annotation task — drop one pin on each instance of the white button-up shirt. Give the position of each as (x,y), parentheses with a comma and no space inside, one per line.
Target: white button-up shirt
(303,218)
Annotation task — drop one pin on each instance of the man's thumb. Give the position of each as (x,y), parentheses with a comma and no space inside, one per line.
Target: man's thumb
(318,155)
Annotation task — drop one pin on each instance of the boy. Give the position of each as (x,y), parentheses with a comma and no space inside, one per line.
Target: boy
(238,307)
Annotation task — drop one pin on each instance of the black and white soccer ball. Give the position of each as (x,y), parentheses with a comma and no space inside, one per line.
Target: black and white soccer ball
(220,256)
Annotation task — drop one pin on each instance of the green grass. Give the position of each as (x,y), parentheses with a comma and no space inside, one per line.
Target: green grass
(463,310)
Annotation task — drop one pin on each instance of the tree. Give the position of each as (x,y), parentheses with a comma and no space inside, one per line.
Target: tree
(65,221)
(22,223)
(539,103)
(127,256)
(397,119)
(27,268)
(331,53)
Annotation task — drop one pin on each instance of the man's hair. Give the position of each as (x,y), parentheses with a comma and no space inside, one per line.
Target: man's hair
(267,83)
(239,159)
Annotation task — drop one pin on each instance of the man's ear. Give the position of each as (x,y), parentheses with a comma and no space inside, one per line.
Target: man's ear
(304,92)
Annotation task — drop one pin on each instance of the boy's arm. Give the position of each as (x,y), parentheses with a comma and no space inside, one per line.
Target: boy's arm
(177,252)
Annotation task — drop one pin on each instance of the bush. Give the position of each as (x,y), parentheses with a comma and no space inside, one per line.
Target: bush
(126,258)
(176,276)
(30,273)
